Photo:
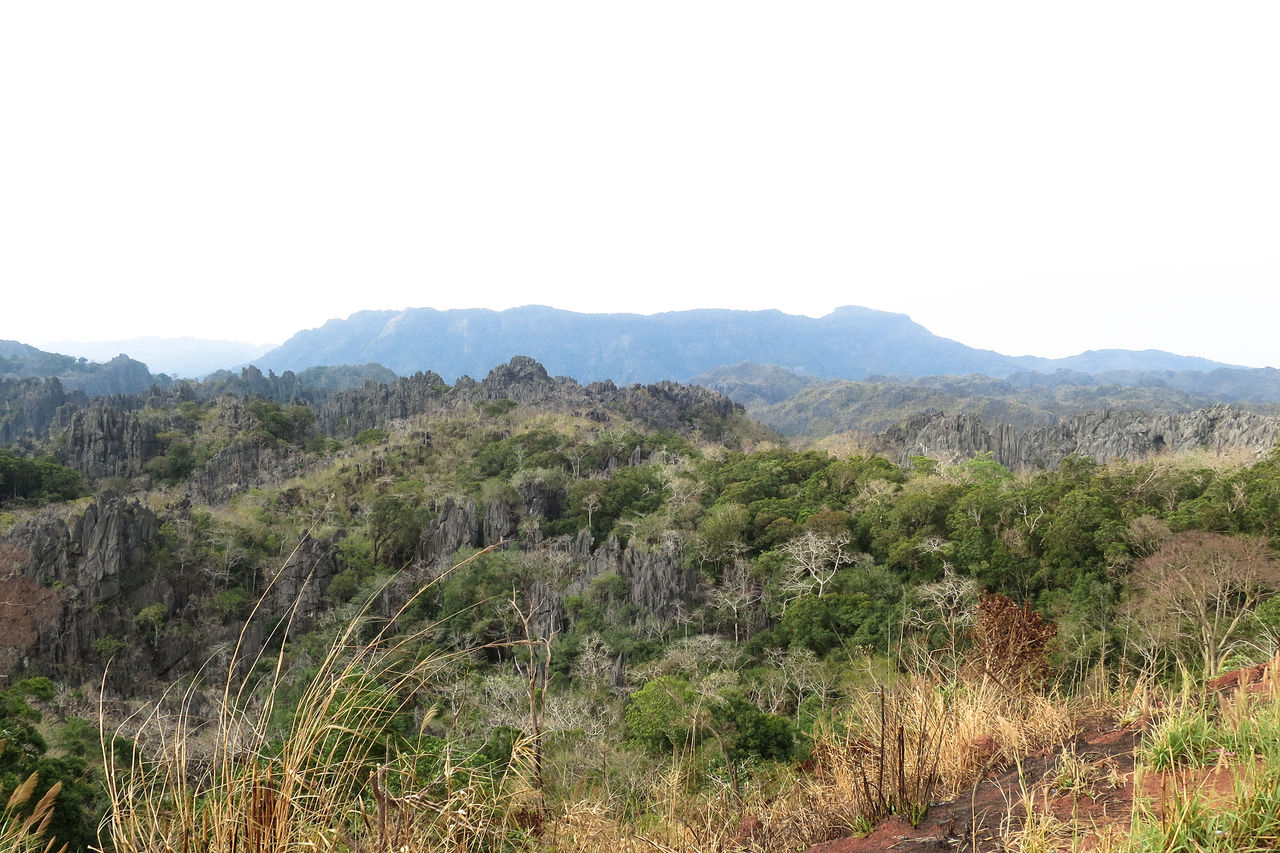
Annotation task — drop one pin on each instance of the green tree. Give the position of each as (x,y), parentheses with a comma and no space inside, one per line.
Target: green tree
(81,801)
(747,732)
(662,715)
(395,525)
(40,480)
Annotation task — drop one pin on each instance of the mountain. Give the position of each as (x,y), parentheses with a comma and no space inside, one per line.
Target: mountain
(849,343)
(120,375)
(1104,360)
(186,357)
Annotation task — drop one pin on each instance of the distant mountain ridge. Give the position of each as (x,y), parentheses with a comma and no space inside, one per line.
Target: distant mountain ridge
(849,343)
(186,357)
(120,375)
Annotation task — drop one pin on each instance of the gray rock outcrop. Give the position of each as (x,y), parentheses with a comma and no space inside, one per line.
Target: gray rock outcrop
(456,527)
(67,582)
(499,523)
(1105,436)
(104,441)
(303,579)
(28,407)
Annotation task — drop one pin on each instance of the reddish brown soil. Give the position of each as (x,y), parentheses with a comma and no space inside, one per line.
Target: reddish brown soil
(996,804)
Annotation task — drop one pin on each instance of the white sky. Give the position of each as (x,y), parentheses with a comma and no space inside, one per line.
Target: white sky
(1026,177)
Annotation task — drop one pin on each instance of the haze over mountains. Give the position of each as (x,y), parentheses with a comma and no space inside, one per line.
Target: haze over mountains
(185,356)
(782,367)
(849,343)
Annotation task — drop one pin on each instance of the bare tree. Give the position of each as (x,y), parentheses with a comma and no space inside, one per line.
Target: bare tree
(1194,594)
(539,678)
(947,606)
(813,559)
(737,594)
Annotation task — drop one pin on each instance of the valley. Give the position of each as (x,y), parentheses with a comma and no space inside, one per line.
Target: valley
(590,614)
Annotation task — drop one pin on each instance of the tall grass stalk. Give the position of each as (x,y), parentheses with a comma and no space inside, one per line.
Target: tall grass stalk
(337,778)
(21,833)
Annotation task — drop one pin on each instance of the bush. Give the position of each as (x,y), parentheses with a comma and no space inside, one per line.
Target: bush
(367,437)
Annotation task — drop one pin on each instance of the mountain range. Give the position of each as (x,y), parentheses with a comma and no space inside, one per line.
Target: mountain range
(756,357)
(849,343)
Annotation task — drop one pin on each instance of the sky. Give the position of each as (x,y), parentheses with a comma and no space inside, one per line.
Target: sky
(1032,178)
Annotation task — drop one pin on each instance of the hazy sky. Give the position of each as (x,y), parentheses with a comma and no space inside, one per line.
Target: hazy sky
(1026,177)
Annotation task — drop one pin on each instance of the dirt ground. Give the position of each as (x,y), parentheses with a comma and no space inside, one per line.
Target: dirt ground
(1088,782)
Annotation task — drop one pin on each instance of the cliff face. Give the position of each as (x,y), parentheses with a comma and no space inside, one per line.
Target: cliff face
(655,579)
(1104,435)
(456,527)
(104,441)
(67,582)
(79,590)
(345,414)
(302,581)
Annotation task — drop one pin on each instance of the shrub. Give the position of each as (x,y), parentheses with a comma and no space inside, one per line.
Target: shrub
(1010,642)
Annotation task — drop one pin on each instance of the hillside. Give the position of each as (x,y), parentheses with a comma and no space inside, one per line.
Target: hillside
(528,613)
(808,408)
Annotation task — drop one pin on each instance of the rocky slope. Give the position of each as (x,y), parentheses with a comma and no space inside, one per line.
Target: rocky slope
(101,579)
(1104,436)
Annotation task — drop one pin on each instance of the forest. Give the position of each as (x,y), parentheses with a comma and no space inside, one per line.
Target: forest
(525,614)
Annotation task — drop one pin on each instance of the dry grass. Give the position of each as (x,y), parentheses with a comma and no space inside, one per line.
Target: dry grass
(896,751)
(25,833)
(336,780)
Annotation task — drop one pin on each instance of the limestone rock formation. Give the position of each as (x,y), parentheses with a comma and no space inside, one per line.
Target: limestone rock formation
(303,579)
(244,466)
(541,499)
(456,527)
(656,580)
(68,582)
(28,407)
(112,539)
(1105,435)
(345,414)
(104,441)
(499,523)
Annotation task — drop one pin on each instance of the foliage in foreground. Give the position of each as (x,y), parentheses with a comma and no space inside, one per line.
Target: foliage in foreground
(348,771)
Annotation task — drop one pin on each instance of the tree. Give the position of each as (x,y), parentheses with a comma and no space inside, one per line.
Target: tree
(723,532)
(78,795)
(395,525)
(151,619)
(662,715)
(40,480)
(745,731)
(942,613)
(1193,596)
(737,594)
(813,559)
